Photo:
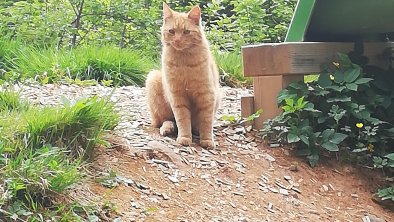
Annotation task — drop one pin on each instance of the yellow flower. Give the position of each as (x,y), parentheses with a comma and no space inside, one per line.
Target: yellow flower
(371,147)
(336,64)
(359,125)
(332,77)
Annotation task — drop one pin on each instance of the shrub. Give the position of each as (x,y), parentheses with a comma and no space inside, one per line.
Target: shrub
(135,24)
(349,109)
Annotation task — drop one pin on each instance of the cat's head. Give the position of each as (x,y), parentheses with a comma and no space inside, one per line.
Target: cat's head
(181,30)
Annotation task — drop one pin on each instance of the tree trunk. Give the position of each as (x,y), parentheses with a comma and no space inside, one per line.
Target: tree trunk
(122,40)
(77,23)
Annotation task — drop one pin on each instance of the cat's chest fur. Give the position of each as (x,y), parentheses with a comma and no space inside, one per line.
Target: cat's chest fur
(186,73)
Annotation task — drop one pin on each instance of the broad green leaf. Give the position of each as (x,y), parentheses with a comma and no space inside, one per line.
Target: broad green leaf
(327,134)
(390,156)
(298,86)
(289,102)
(337,138)
(352,86)
(301,103)
(362,81)
(352,75)
(344,59)
(330,146)
(292,138)
(336,88)
(324,80)
(338,76)
(313,159)
(285,94)
(305,139)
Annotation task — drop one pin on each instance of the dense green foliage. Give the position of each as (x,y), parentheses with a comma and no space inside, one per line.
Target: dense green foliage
(135,24)
(41,151)
(349,109)
(124,29)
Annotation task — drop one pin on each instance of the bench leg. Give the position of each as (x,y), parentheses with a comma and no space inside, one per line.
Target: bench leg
(266,89)
(247,107)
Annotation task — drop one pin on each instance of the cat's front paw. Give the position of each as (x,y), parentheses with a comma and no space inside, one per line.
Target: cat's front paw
(184,141)
(167,128)
(207,143)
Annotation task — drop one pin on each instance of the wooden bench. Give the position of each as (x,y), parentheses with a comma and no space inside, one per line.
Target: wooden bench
(312,40)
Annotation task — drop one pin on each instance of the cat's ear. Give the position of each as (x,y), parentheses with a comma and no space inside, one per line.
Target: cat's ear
(195,14)
(167,11)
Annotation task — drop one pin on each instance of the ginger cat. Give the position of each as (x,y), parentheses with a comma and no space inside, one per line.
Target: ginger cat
(187,87)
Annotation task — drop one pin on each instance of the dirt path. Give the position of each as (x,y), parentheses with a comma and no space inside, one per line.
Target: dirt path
(227,193)
(153,179)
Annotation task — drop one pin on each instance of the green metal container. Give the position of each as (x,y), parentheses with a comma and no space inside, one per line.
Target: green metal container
(342,21)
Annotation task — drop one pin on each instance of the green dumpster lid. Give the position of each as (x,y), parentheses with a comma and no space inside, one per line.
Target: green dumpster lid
(341,20)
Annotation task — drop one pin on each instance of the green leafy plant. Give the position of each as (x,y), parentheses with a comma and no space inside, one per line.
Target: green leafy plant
(347,110)
(337,111)
(236,120)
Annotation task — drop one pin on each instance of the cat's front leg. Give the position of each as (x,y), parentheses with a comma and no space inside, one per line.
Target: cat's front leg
(183,121)
(205,117)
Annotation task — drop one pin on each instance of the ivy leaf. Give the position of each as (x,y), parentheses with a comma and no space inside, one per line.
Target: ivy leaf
(352,75)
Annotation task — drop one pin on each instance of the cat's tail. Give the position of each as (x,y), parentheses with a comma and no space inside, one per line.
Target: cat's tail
(159,108)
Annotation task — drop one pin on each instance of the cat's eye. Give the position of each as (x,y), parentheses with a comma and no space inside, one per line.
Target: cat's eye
(171,31)
(186,31)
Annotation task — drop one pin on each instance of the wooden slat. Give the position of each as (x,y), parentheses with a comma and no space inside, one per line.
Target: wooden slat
(247,107)
(302,57)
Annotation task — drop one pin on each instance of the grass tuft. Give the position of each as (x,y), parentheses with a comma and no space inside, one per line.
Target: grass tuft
(9,101)
(41,151)
(122,66)
(230,69)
